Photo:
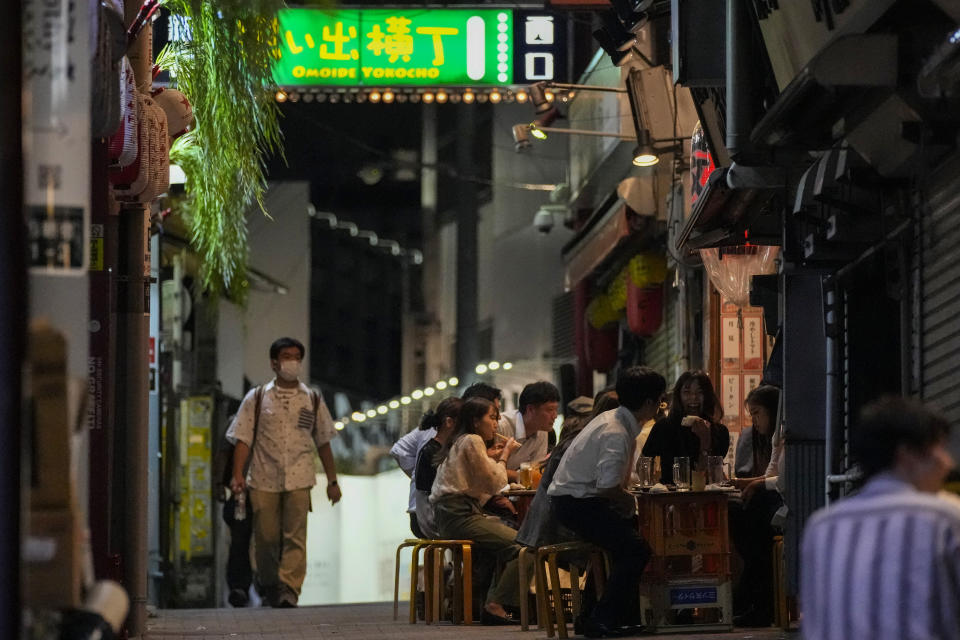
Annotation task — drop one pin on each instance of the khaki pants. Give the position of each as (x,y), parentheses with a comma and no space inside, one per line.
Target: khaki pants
(460,518)
(280,537)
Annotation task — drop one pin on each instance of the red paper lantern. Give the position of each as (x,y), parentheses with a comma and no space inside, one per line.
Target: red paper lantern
(644,309)
(602,346)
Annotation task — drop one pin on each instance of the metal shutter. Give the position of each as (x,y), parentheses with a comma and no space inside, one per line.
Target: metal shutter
(662,351)
(564,347)
(939,300)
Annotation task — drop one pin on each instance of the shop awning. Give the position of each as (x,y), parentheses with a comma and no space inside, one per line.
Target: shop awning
(588,249)
(614,232)
(738,205)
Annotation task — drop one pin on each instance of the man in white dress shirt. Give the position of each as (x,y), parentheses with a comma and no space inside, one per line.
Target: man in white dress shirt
(530,424)
(590,497)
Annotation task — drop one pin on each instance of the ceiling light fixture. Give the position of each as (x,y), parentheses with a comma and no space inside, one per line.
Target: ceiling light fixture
(388,96)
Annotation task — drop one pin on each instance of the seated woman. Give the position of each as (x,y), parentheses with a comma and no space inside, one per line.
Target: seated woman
(750,528)
(466,478)
(691,428)
(442,420)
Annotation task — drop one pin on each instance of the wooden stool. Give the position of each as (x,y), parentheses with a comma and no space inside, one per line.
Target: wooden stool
(546,564)
(781,613)
(433,572)
(462,579)
(417,544)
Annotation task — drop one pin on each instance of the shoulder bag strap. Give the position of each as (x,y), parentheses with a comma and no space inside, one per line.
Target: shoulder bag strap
(258,395)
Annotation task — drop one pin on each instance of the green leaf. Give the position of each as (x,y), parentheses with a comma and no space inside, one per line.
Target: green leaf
(224,70)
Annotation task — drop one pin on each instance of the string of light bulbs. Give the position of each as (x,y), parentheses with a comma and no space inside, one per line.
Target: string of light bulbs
(400,402)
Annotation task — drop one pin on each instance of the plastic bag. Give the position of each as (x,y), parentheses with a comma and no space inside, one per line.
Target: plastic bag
(730,274)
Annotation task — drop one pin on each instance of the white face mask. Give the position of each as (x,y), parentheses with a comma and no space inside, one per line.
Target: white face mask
(289,370)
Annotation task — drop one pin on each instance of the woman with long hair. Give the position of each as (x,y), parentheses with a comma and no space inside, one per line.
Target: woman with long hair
(466,478)
(691,429)
(758,454)
(755,445)
(443,420)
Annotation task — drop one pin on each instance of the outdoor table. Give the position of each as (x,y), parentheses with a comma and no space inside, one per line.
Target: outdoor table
(687,584)
(521,499)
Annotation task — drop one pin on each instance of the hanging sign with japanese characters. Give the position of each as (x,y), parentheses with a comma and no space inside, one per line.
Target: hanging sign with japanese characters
(394,47)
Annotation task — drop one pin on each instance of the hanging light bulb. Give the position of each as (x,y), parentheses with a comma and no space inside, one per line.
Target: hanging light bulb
(644,155)
(442,97)
(388,96)
(374,96)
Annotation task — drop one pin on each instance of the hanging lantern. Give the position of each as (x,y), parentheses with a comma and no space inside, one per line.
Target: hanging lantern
(617,291)
(701,163)
(178,110)
(602,346)
(730,268)
(647,269)
(600,312)
(644,309)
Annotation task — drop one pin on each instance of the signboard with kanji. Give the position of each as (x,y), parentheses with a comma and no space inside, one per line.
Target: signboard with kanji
(395,47)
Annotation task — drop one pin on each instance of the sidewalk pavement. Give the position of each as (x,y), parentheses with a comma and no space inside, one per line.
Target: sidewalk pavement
(354,622)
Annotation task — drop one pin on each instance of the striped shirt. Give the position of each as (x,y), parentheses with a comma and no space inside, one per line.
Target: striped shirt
(884,564)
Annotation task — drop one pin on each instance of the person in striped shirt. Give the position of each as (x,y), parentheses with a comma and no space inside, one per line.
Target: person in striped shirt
(885,563)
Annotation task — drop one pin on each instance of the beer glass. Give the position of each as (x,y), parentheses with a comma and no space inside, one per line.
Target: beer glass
(645,471)
(715,473)
(681,472)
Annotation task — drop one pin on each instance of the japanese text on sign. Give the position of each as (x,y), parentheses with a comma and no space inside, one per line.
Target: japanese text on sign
(394,46)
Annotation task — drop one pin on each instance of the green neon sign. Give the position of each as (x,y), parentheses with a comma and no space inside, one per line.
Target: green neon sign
(394,47)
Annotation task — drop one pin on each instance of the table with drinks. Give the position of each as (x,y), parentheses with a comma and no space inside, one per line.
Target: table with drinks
(687,584)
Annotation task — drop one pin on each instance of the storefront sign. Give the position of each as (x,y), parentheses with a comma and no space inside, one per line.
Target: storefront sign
(56,124)
(540,47)
(395,47)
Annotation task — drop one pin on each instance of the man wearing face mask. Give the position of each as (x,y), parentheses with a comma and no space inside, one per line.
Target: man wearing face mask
(294,421)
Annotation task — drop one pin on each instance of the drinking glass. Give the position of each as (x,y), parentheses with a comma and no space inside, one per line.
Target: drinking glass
(681,472)
(715,473)
(525,475)
(645,471)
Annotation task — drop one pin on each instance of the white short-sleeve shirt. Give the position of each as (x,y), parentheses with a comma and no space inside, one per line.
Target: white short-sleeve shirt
(599,456)
(288,434)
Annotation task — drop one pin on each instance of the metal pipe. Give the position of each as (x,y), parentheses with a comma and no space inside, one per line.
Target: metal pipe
(829,301)
(132,411)
(601,134)
(133,330)
(738,62)
(584,87)
(13,318)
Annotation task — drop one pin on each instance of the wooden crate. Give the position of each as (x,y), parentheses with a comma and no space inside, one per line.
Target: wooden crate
(688,533)
(687,605)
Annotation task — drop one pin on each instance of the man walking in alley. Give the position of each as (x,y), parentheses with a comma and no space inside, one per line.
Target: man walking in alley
(590,497)
(885,563)
(538,405)
(294,421)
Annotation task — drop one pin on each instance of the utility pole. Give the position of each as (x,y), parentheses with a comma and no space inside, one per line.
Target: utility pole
(467,220)
(132,323)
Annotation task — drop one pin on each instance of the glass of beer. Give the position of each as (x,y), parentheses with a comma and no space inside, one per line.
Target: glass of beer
(525,475)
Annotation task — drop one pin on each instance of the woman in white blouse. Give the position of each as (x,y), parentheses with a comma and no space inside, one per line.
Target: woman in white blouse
(466,479)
